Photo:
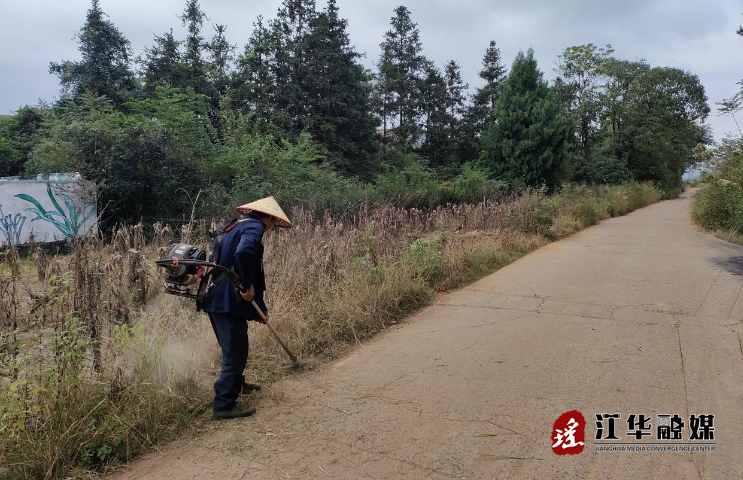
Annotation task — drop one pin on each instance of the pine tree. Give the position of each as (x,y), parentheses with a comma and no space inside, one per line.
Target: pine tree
(483,101)
(289,31)
(252,86)
(434,118)
(528,143)
(443,105)
(104,68)
(193,19)
(401,71)
(221,55)
(164,65)
(456,99)
(338,95)
(458,136)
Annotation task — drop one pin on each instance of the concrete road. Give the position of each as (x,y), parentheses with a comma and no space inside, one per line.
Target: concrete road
(640,315)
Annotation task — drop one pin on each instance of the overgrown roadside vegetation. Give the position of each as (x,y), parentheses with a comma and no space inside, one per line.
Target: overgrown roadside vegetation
(718,206)
(98,366)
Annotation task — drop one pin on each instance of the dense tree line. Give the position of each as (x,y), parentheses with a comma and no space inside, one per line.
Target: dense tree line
(295,114)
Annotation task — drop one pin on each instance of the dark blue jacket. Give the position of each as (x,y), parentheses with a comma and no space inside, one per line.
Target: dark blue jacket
(240,249)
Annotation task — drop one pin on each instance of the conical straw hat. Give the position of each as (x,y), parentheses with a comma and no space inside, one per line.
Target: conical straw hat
(269,206)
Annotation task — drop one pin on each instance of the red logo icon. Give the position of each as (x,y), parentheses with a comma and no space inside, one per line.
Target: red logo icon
(569,433)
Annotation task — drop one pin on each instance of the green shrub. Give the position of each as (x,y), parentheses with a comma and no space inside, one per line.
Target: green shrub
(424,258)
(472,185)
(719,203)
(409,183)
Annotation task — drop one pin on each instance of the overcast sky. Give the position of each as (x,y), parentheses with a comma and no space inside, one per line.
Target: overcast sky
(695,35)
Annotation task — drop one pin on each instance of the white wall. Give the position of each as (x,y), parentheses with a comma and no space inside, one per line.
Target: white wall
(27,207)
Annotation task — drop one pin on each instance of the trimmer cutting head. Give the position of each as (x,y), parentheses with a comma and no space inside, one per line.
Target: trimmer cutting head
(297,365)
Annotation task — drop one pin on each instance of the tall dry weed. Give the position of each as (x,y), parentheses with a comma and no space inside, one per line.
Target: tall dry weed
(64,401)
(100,365)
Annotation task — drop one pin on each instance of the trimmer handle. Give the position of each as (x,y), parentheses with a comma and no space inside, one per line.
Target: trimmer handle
(276,335)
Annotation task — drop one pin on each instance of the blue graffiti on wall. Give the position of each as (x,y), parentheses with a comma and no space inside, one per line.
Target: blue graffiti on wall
(70,222)
(11,226)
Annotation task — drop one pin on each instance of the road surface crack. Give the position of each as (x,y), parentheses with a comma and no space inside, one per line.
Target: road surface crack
(395,401)
(708,292)
(475,420)
(683,368)
(730,313)
(686,389)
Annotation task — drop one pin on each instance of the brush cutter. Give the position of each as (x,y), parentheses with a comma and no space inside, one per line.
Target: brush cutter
(296,364)
(183,272)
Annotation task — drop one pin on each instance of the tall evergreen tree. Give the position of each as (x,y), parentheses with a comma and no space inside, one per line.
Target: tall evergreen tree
(163,64)
(434,118)
(528,143)
(460,136)
(289,30)
(218,69)
(206,78)
(104,68)
(302,74)
(480,114)
(221,55)
(252,85)
(401,71)
(444,102)
(196,66)
(338,95)
(456,99)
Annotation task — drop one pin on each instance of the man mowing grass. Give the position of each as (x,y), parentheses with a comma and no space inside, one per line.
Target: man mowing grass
(241,249)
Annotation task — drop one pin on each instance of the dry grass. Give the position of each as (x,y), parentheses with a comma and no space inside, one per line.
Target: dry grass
(98,366)
(728,236)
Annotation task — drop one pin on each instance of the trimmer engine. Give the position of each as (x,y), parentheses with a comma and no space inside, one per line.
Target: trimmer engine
(183,270)
(188,273)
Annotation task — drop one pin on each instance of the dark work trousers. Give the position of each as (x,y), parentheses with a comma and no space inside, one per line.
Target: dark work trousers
(232,335)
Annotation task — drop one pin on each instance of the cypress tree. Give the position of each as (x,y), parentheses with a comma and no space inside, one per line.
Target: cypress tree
(193,19)
(252,86)
(483,101)
(104,68)
(338,95)
(528,143)
(164,65)
(401,71)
